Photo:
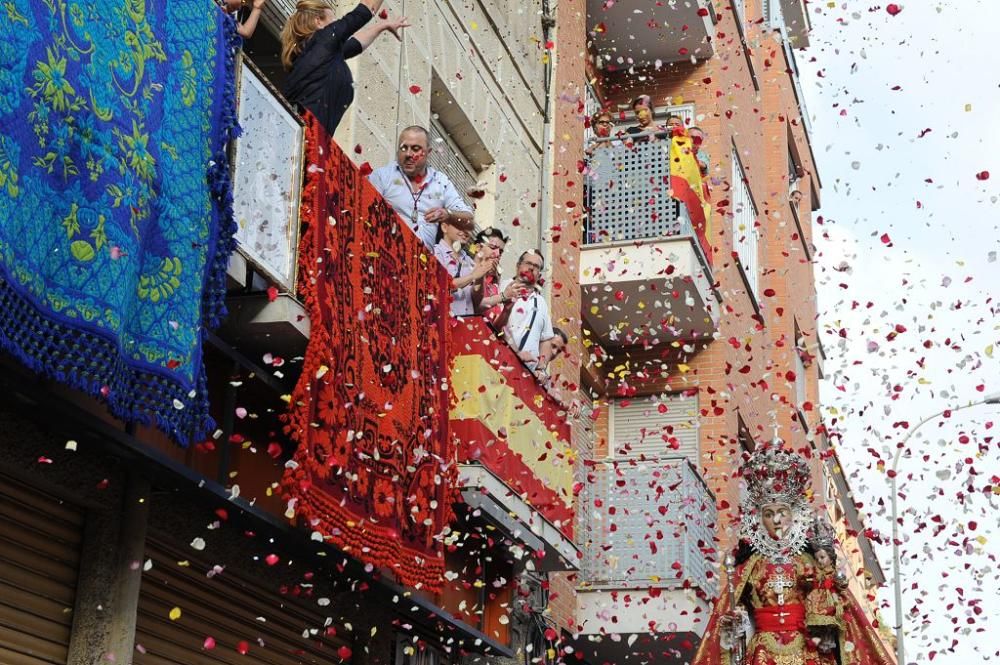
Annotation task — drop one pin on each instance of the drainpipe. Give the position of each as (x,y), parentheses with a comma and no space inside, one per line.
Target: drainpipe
(548,136)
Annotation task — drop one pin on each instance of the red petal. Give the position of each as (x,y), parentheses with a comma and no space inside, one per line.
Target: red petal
(415,89)
(366,169)
(893,8)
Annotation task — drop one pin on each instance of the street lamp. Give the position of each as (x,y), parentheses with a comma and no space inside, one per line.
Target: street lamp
(993,398)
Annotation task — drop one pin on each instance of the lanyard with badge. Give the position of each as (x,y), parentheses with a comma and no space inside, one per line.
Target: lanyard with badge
(415,196)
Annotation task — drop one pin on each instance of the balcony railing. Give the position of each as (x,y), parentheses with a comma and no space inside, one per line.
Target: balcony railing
(647,523)
(629,193)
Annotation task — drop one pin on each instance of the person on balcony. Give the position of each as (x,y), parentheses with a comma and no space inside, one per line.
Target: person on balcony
(315,48)
(421,195)
(525,319)
(557,346)
(244,28)
(701,154)
(488,300)
(466,273)
(645,129)
(675,126)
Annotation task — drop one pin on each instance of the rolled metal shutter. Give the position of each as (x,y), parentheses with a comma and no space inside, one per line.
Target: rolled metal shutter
(227,608)
(648,427)
(40,540)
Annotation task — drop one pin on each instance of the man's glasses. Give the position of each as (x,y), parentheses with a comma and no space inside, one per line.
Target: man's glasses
(604,122)
(415,149)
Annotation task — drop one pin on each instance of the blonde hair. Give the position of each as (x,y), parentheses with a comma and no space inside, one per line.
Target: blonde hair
(300,26)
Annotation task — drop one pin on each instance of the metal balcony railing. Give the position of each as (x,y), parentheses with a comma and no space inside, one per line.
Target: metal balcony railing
(627,191)
(647,523)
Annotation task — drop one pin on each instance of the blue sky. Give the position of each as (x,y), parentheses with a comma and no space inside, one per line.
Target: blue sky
(911,235)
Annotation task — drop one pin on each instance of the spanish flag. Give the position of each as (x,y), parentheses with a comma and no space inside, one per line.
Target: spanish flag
(687,187)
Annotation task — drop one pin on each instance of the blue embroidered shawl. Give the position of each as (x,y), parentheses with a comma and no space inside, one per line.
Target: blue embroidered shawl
(115,207)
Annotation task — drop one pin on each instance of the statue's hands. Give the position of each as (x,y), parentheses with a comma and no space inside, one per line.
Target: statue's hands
(732,627)
(840,578)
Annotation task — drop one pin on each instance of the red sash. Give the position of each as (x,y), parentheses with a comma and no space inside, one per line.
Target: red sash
(780,618)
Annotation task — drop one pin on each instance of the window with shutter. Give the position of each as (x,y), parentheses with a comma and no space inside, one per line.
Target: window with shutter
(745,233)
(661,426)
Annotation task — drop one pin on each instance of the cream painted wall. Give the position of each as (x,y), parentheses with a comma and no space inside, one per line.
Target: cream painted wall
(488,53)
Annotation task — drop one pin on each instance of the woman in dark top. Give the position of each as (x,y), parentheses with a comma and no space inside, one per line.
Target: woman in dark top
(315,47)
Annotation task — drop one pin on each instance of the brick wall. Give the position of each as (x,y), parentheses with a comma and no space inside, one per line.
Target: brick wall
(744,372)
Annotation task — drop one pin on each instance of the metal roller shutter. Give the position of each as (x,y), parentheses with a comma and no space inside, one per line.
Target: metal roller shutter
(650,427)
(226,608)
(40,539)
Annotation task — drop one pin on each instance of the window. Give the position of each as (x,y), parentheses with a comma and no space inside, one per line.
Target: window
(800,369)
(772,13)
(740,8)
(745,233)
(592,104)
(656,427)
(447,157)
(793,172)
(743,435)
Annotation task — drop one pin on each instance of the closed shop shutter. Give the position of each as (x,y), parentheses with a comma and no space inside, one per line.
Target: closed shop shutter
(227,608)
(40,539)
(650,427)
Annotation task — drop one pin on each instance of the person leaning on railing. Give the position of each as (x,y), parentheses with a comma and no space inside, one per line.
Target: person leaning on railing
(422,196)
(645,130)
(526,322)
(698,137)
(466,272)
(246,28)
(488,300)
(315,48)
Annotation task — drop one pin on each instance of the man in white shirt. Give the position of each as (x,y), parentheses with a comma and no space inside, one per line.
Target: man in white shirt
(525,318)
(422,196)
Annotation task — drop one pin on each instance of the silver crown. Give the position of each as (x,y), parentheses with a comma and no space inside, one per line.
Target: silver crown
(822,535)
(774,475)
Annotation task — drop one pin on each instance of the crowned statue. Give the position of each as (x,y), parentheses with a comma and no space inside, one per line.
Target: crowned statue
(786,602)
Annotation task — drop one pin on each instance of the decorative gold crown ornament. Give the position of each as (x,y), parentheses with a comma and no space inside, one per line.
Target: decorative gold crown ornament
(774,475)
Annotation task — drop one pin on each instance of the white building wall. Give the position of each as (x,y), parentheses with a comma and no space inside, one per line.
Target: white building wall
(488,55)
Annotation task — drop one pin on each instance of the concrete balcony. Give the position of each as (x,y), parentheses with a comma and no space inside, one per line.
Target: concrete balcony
(514,445)
(645,275)
(624,33)
(647,531)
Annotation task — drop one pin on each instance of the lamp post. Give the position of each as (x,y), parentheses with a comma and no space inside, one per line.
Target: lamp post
(993,398)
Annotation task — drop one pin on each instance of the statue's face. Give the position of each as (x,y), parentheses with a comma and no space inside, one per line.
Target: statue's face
(823,558)
(776,518)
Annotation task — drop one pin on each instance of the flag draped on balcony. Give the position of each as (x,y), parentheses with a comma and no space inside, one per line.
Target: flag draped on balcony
(687,186)
(373,471)
(115,215)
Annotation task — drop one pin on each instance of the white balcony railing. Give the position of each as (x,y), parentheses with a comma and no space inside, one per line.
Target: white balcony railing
(648,523)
